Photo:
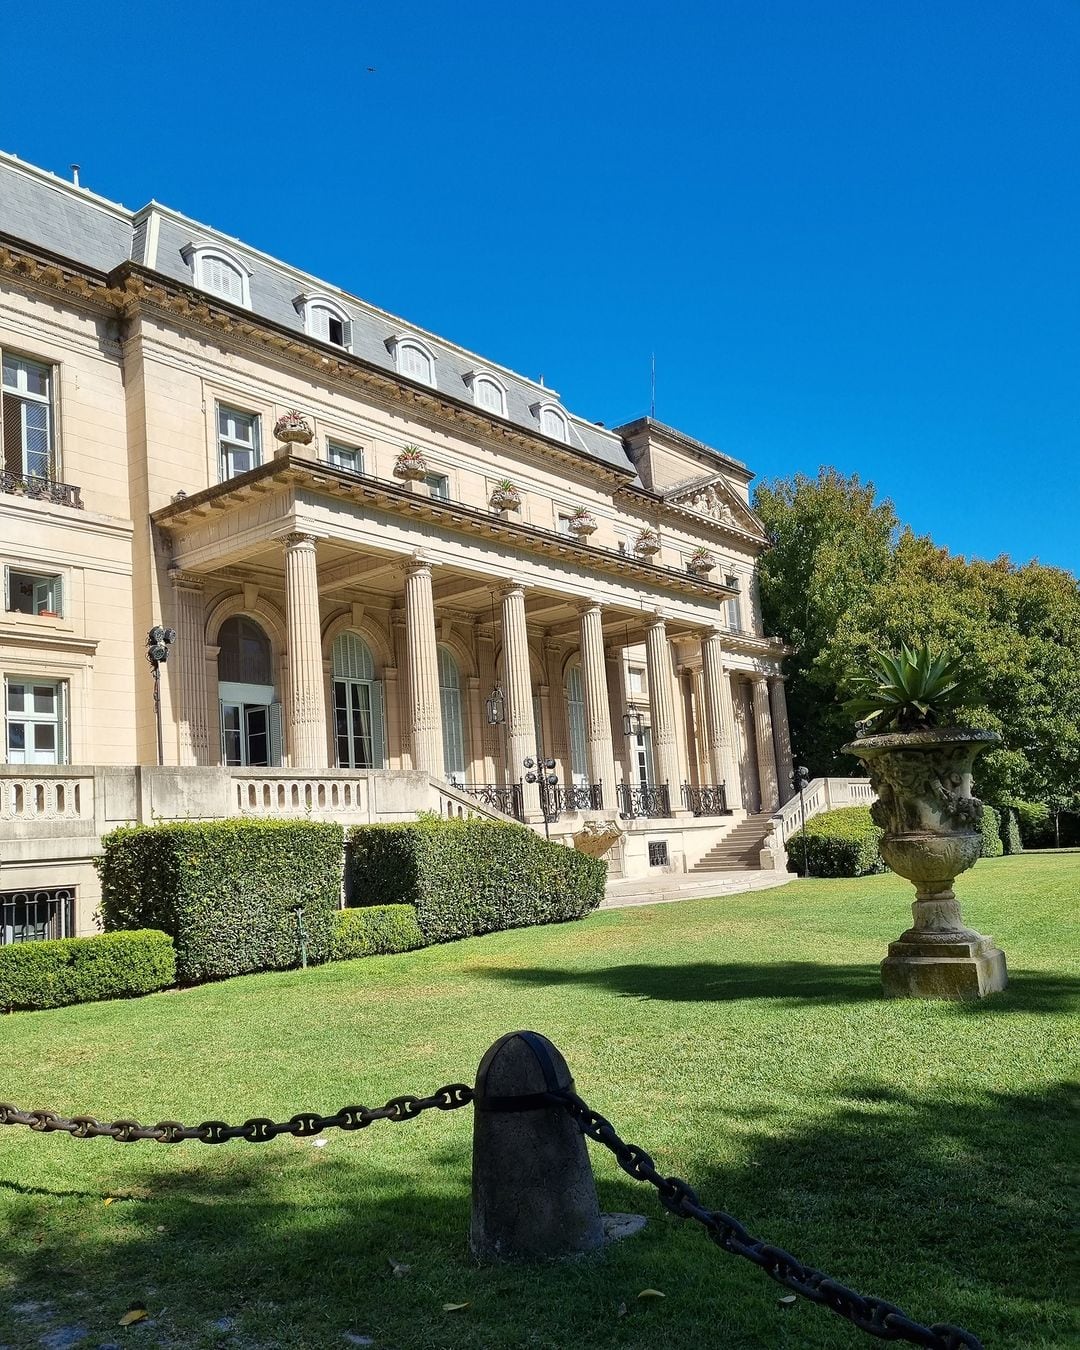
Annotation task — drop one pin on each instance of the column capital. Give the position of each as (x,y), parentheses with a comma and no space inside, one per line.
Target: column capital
(418,563)
(296,540)
(589,604)
(512,587)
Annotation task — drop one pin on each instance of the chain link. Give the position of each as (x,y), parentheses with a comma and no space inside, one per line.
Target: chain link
(873,1315)
(257,1130)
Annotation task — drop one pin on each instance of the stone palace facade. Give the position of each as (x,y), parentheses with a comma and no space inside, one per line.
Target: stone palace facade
(395,570)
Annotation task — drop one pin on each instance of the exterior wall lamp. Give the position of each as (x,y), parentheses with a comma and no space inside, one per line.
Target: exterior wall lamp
(158,642)
(495,707)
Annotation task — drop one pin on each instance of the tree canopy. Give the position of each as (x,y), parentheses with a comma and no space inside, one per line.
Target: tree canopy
(844,579)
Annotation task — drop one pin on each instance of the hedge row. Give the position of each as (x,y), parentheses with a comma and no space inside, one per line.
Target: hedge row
(840,843)
(1010,831)
(83,970)
(992,847)
(375,930)
(471,876)
(226,890)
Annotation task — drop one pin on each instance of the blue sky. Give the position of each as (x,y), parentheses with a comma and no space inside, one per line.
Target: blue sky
(847,228)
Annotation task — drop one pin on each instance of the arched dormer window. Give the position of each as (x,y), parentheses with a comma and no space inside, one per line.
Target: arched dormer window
(414,359)
(553,421)
(220,272)
(325,320)
(488,391)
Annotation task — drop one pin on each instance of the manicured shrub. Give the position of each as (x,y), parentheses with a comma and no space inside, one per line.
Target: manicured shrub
(226,890)
(471,876)
(840,843)
(1010,831)
(84,970)
(991,833)
(373,930)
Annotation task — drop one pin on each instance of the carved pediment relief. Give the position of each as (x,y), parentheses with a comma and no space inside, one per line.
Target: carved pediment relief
(716,501)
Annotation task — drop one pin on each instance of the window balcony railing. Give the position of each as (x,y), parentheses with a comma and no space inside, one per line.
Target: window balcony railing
(644,800)
(508,800)
(40,489)
(706,800)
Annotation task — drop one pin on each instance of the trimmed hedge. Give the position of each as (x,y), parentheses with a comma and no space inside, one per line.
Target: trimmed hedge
(374,930)
(54,973)
(991,833)
(840,843)
(471,876)
(1010,831)
(226,890)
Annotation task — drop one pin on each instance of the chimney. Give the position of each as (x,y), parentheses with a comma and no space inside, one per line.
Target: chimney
(75,174)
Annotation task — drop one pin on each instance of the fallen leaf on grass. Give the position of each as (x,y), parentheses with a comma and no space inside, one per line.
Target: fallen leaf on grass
(788,1300)
(109,1199)
(136,1313)
(398,1269)
(651,1293)
(454,1307)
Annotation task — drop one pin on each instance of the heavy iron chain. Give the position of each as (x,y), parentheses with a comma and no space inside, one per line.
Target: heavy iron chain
(873,1315)
(258,1130)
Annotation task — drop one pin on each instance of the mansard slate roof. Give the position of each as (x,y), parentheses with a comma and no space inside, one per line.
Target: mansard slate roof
(43,209)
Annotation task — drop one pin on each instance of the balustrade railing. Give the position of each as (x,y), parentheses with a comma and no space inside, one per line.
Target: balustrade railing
(27,796)
(707,799)
(576,797)
(508,800)
(270,794)
(637,800)
(40,489)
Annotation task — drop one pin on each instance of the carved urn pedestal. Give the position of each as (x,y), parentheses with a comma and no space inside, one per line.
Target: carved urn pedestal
(932,834)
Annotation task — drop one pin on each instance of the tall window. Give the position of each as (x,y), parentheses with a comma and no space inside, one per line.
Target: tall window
(349,457)
(733,603)
(250,712)
(27,417)
(359,719)
(453,730)
(438,486)
(36,733)
(575,711)
(238,441)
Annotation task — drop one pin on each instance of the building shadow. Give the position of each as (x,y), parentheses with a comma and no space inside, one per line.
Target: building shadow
(950,1208)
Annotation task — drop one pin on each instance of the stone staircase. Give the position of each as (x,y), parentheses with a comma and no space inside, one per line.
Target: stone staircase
(738,850)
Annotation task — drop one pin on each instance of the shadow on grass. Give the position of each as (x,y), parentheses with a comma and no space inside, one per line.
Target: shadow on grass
(953,1209)
(791,982)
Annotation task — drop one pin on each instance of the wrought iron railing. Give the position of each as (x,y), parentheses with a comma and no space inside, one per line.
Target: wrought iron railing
(644,799)
(40,489)
(34,915)
(577,797)
(505,799)
(708,799)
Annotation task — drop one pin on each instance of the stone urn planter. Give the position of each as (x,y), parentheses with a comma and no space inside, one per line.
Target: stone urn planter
(701,562)
(647,544)
(583,523)
(932,834)
(410,465)
(505,498)
(293,428)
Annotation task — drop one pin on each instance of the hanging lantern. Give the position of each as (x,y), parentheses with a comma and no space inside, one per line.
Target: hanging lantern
(633,723)
(495,707)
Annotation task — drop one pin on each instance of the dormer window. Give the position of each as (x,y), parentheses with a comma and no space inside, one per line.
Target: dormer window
(325,320)
(414,359)
(220,272)
(488,391)
(552,421)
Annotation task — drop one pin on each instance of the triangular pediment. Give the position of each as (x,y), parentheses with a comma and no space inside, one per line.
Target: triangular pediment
(713,498)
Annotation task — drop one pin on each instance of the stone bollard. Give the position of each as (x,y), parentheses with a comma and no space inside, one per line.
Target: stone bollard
(533,1194)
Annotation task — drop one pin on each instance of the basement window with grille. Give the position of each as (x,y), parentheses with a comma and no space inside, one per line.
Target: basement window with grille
(658,853)
(36,915)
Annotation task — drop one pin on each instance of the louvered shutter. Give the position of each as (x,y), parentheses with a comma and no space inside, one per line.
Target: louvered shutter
(275,735)
(378,725)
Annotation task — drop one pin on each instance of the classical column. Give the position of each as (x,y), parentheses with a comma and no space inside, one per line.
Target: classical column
(521,741)
(424,709)
(305,706)
(492,745)
(600,755)
(719,718)
(782,734)
(770,797)
(189,663)
(662,710)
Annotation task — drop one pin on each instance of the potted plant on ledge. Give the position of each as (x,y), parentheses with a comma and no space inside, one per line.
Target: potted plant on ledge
(582,522)
(505,497)
(647,544)
(921,771)
(293,428)
(701,562)
(411,465)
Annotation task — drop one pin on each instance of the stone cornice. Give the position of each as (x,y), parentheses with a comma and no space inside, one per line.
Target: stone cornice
(291,472)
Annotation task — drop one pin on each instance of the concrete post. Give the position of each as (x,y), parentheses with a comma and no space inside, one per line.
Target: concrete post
(533,1194)
(189,661)
(598,746)
(305,707)
(425,711)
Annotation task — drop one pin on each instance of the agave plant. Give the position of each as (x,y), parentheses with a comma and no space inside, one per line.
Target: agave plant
(909,692)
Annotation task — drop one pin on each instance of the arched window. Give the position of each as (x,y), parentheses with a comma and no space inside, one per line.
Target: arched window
(452,724)
(489,394)
(325,319)
(217,270)
(575,716)
(359,719)
(250,711)
(414,359)
(552,421)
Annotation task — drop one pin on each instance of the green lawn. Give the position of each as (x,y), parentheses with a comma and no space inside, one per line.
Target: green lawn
(917,1151)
